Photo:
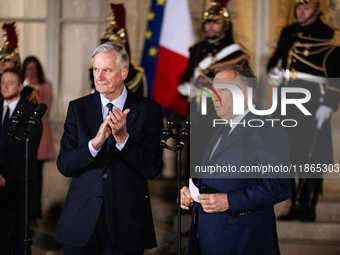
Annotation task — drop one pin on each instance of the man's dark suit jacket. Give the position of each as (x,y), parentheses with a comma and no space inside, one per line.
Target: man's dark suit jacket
(248,227)
(119,177)
(12,167)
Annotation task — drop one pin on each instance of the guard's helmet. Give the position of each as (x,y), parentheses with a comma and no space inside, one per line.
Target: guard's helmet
(217,13)
(307,1)
(116,31)
(10,52)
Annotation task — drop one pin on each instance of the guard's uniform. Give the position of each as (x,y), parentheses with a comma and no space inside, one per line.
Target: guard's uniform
(205,56)
(202,64)
(309,55)
(204,49)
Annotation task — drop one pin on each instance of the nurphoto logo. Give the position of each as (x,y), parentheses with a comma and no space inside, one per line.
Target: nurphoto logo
(238,99)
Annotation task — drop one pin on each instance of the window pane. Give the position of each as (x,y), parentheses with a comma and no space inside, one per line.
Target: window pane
(77,45)
(36,9)
(73,9)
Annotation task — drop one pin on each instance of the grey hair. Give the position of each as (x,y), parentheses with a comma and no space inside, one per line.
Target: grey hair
(244,76)
(123,59)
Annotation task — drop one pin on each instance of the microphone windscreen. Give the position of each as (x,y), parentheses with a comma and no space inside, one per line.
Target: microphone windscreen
(41,109)
(174,118)
(23,107)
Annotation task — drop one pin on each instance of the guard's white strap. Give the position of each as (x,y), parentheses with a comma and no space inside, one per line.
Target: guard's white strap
(208,61)
(322,81)
(308,77)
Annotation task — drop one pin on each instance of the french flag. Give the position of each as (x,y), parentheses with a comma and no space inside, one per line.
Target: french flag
(170,54)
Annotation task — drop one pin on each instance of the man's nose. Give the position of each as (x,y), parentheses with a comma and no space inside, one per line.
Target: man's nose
(215,98)
(100,75)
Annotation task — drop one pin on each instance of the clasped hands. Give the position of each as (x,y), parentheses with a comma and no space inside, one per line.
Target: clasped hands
(211,203)
(115,124)
(2,181)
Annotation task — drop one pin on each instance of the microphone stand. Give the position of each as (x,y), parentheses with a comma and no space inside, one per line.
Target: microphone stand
(33,122)
(27,241)
(178,149)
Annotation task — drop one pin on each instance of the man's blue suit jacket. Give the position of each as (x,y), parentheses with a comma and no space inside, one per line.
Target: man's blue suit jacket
(119,178)
(249,226)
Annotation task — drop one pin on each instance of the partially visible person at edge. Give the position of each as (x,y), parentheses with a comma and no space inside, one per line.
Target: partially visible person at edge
(34,73)
(310,58)
(13,165)
(117,32)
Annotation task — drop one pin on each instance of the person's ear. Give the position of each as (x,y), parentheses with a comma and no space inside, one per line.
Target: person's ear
(124,72)
(317,11)
(226,27)
(245,93)
(21,87)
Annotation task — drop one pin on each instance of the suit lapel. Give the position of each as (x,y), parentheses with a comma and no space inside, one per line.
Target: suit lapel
(1,111)
(94,112)
(238,132)
(16,107)
(211,145)
(132,102)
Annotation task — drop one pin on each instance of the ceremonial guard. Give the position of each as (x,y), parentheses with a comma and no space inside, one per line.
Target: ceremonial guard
(10,58)
(116,32)
(218,48)
(310,58)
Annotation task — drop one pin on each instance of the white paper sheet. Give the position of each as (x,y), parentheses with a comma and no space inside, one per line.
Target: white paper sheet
(194,191)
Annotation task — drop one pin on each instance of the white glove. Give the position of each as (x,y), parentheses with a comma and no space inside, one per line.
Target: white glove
(322,114)
(276,76)
(26,82)
(187,90)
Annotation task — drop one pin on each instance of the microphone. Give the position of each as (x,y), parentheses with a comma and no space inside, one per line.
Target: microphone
(36,118)
(170,124)
(185,132)
(17,119)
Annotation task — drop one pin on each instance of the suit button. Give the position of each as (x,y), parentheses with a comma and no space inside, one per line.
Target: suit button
(100,197)
(104,176)
(203,187)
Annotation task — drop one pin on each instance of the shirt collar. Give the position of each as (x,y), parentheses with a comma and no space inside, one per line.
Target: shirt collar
(119,102)
(11,107)
(233,124)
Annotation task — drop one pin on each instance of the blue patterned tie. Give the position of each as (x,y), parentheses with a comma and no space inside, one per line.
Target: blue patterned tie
(110,139)
(225,132)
